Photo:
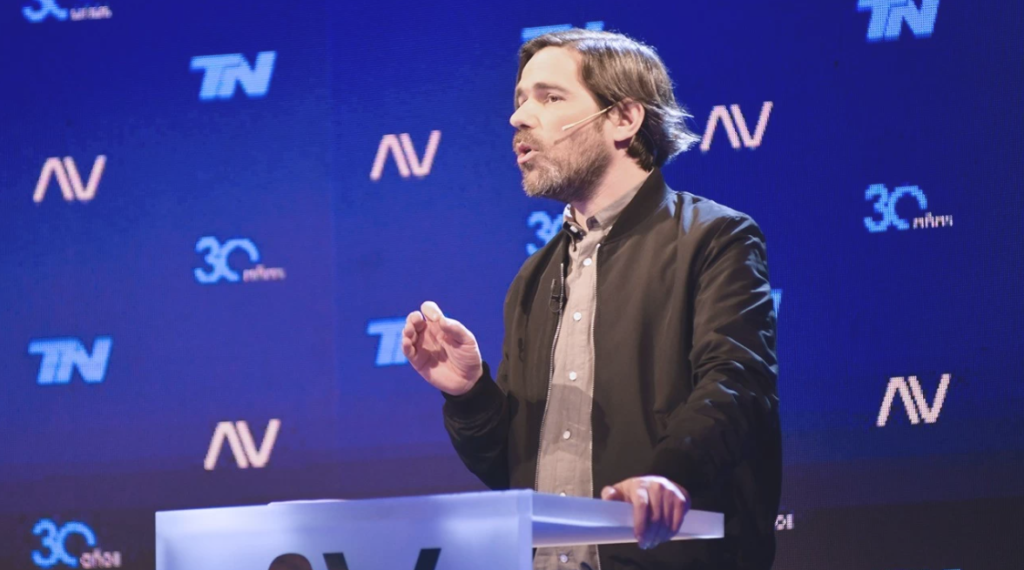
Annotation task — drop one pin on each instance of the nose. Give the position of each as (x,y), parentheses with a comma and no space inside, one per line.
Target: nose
(522,117)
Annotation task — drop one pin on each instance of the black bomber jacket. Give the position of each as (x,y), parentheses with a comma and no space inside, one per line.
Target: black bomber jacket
(685,374)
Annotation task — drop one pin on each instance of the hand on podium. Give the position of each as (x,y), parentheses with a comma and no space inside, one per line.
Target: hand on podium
(659,506)
(442,350)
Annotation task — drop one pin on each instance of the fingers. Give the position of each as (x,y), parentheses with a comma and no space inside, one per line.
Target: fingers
(659,507)
(641,504)
(677,519)
(655,526)
(415,323)
(669,507)
(414,353)
(411,337)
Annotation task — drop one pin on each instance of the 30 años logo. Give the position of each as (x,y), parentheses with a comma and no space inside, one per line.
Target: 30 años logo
(44,9)
(885,207)
(54,551)
(219,268)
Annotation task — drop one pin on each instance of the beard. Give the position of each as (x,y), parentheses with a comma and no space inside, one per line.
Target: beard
(568,170)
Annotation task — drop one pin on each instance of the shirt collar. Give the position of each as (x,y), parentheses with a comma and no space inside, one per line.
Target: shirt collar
(601,219)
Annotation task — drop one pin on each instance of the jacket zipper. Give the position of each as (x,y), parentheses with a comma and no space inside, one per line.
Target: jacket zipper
(593,372)
(551,374)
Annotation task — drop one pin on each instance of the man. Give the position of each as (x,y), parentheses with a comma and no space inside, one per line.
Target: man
(639,357)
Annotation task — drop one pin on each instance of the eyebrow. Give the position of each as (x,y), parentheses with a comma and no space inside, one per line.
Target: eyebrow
(540,86)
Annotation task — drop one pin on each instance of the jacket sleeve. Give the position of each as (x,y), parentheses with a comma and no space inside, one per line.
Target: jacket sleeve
(478,421)
(734,402)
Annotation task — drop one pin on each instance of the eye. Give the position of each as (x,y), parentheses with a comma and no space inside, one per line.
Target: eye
(552,97)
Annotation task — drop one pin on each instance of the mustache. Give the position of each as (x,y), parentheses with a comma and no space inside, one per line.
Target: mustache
(527,140)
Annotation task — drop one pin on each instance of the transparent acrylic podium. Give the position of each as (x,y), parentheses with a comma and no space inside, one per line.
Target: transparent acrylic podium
(493,530)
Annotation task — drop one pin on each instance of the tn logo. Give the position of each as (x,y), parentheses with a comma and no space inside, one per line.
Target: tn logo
(217,258)
(735,126)
(885,206)
(223,73)
(530,33)
(408,162)
(887,17)
(389,348)
(914,401)
(242,445)
(68,179)
(46,8)
(62,355)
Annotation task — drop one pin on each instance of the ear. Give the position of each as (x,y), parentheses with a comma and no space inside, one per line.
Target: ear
(626,118)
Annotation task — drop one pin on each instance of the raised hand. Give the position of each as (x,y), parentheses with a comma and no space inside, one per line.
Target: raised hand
(442,350)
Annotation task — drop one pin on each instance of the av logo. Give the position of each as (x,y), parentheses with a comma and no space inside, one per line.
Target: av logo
(68,179)
(530,33)
(427,560)
(223,73)
(389,348)
(242,445)
(217,259)
(54,550)
(913,400)
(406,159)
(887,17)
(62,355)
(736,126)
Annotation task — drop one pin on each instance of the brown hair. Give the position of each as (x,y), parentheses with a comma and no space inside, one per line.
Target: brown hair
(616,67)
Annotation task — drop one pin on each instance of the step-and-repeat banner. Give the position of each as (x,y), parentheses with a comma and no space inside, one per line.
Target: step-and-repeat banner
(214,218)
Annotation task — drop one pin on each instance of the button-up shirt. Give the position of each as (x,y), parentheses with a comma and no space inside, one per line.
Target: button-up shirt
(564,462)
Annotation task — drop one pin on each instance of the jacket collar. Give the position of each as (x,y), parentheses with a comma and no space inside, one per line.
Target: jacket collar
(651,195)
(604,219)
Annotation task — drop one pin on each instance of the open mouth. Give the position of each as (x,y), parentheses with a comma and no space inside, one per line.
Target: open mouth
(524,152)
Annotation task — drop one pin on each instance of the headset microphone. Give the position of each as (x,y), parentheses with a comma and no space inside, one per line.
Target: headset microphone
(585,119)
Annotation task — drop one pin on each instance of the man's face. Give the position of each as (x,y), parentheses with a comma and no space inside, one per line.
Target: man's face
(564,165)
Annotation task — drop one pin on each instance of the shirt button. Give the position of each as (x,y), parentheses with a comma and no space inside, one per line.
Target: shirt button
(572,376)
(577,316)
(566,434)
(563,558)
(587,262)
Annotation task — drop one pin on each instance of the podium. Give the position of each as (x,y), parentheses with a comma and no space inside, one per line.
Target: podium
(494,530)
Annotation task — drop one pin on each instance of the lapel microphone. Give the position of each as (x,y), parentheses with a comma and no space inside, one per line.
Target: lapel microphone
(555,302)
(557,291)
(587,118)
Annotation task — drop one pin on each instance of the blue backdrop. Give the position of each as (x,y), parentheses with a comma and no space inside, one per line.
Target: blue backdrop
(214,219)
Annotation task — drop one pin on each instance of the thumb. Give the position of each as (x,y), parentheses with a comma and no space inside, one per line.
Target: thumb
(431,312)
(455,331)
(612,494)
